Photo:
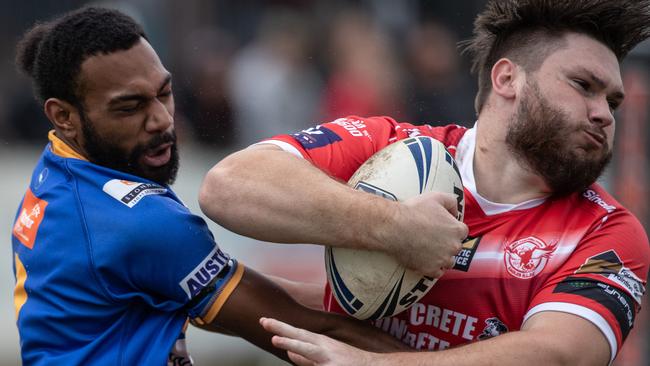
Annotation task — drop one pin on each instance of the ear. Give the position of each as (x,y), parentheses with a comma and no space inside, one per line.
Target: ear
(64,116)
(505,75)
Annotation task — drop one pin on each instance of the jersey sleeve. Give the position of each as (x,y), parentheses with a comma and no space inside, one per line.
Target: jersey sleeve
(603,280)
(168,259)
(341,146)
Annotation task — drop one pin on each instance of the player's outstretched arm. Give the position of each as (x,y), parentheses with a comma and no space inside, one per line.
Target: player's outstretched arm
(547,338)
(256,296)
(269,194)
(307,294)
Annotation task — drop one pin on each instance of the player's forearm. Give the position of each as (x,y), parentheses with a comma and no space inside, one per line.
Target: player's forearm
(274,196)
(510,349)
(256,296)
(307,294)
(362,335)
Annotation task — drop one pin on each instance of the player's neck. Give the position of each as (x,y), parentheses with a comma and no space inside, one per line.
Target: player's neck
(500,177)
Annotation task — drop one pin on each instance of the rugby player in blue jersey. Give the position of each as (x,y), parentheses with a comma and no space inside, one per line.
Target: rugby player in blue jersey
(109,263)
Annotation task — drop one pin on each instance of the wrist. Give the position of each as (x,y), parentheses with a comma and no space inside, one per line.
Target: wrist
(380,226)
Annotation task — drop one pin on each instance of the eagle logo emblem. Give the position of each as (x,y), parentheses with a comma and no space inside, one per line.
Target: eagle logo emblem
(525,258)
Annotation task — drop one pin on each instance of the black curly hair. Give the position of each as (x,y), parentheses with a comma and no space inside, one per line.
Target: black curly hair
(52,53)
(527,31)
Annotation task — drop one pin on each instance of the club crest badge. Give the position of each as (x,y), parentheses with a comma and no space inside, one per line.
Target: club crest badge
(525,258)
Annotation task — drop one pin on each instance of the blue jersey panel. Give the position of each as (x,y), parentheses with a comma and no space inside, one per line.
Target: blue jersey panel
(109,263)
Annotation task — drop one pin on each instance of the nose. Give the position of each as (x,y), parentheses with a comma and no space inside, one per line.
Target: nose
(600,112)
(160,118)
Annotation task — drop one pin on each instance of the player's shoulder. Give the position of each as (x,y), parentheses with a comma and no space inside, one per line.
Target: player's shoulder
(129,203)
(134,218)
(605,211)
(596,200)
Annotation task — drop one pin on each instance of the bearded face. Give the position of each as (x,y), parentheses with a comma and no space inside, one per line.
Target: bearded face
(546,140)
(108,153)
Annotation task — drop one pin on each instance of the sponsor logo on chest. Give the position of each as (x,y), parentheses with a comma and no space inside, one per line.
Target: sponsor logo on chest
(463,259)
(435,328)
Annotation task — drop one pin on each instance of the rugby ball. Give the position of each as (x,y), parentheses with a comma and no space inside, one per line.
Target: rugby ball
(373,285)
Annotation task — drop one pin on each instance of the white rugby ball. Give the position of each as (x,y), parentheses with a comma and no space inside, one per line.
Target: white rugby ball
(373,285)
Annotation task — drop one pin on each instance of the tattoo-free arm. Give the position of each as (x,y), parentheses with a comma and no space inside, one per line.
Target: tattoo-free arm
(256,296)
(547,338)
(269,194)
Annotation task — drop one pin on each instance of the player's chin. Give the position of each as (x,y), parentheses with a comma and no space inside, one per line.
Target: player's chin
(163,175)
(592,153)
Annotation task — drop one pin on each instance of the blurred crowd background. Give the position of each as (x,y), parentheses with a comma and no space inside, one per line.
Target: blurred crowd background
(244,70)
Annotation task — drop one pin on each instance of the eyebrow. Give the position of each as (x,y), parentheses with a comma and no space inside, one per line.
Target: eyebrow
(168,79)
(139,97)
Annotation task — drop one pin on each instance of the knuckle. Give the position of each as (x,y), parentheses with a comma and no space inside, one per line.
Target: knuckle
(462,230)
(452,262)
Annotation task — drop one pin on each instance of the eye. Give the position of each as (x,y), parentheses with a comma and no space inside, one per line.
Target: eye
(129,109)
(613,105)
(582,84)
(165,94)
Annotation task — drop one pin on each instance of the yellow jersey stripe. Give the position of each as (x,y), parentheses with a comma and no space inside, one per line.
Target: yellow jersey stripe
(20,295)
(60,148)
(224,295)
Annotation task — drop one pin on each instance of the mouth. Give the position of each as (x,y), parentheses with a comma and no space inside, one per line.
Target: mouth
(159,155)
(595,138)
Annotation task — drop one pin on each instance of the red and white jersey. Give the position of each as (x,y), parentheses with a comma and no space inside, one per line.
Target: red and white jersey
(582,254)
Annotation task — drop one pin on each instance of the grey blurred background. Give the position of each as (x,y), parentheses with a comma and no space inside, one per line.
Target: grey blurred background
(249,69)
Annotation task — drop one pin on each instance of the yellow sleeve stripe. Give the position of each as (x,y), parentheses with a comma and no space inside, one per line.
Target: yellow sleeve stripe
(223,296)
(20,295)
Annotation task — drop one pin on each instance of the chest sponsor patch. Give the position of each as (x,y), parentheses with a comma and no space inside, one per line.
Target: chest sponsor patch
(464,258)
(610,265)
(29,219)
(130,193)
(527,257)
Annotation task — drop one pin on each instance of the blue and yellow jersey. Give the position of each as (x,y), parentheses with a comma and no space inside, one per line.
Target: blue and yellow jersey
(109,266)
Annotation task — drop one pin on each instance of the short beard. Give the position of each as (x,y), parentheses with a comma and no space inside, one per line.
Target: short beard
(106,153)
(539,136)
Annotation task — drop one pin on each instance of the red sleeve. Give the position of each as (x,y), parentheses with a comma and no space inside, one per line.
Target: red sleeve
(341,146)
(603,280)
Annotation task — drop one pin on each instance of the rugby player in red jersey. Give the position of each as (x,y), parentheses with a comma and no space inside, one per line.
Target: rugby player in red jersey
(553,270)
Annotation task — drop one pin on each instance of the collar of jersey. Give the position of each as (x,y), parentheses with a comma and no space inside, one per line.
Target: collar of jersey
(60,148)
(465,160)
